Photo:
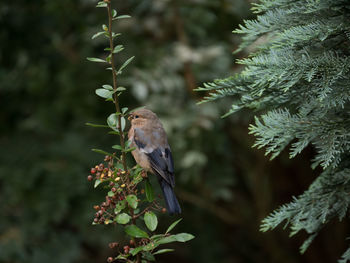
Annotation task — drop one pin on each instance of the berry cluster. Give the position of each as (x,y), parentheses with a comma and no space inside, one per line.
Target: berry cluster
(120,184)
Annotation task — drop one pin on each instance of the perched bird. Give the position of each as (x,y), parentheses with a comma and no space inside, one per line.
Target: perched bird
(153,153)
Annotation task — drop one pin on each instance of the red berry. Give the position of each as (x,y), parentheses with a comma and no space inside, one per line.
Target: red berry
(110,259)
(114,189)
(163,210)
(126,249)
(95,220)
(113,244)
(96,207)
(111,184)
(90,178)
(132,242)
(93,170)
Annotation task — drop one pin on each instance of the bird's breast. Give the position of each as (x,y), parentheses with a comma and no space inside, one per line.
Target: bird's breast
(142,159)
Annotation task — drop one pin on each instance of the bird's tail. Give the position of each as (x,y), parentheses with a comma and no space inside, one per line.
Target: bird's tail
(171,202)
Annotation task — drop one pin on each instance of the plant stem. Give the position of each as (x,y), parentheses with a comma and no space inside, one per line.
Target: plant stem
(117,108)
(115,96)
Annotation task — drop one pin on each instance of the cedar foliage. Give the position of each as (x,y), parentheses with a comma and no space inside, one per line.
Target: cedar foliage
(297,77)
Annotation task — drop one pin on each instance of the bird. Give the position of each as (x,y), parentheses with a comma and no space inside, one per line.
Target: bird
(152,152)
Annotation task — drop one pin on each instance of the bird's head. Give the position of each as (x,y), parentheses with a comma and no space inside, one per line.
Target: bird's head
(142,115)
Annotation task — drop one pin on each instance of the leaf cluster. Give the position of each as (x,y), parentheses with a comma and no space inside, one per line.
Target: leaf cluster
(297,77)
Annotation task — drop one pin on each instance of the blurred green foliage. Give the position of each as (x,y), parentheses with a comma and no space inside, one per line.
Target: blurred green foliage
(47,94)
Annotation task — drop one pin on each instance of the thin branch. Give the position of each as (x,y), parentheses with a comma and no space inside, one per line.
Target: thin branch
(115,96)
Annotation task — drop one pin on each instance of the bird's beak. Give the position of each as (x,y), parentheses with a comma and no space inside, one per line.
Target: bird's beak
(130,117)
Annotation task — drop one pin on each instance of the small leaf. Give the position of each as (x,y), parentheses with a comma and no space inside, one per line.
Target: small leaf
(119,206)
(110,194)
(117,147)
(102,152)
(151,220)
(134,231)
(125,64)
(101,4)
(165,240)
(148,256)
(123,16)
(161,251)
(115,34)
(104,27)
(96,125)
(149,191)
(136,250)
(97,34)
(173,225)
(114,13)
(108,87)
(132,201)
(118,48)
(150,246)
(112,121)
(123,122)
(121,89)
(96,60)
(114,132)
(122,218)
(103,93)
(125,109)
(183,237)
(97,182)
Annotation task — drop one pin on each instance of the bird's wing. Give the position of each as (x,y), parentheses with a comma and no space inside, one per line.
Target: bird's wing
(158,152)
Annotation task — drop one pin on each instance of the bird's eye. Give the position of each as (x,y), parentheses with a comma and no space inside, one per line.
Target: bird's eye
(136,116)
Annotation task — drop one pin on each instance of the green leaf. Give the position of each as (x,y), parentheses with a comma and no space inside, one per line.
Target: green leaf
(114,13)
(114,132)
(151,220)
(97,182)
(112,121)
(110,194)
(148,256)
(150,246)
(115,34)
(108,87)
(101,4)
(165,240)
(103,93)
(119,206)
(96,125)
(125,64)
(149,191)
(97,34)
(123,16)
(154,237)
(132,201)
(125,109)
(117,147)
(173,225)
(162,251)
(96,60)
(136,250)
(118,48)
(134,231)
(102,152)
(121,89)
(123,122)
(183,237)
(123,218)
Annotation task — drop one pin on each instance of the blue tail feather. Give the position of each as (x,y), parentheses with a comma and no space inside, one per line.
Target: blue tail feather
(171,202)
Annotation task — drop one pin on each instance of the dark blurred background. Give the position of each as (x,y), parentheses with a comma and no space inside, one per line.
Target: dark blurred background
(47,95)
